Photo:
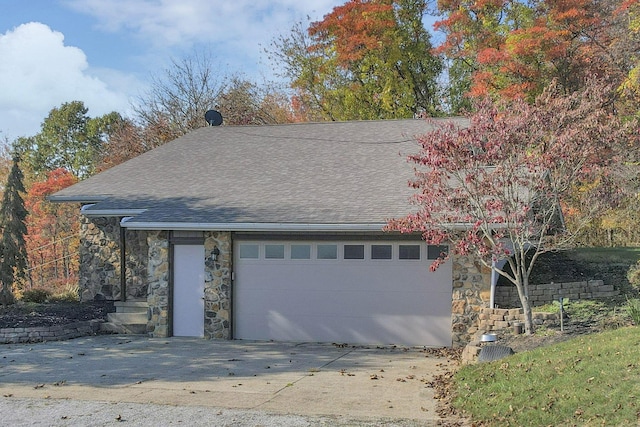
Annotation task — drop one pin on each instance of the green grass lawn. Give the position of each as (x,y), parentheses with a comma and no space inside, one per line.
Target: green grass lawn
(627,255)
(590,380)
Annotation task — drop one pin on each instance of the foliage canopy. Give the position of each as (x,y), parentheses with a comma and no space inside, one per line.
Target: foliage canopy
(364,60)
(502,187)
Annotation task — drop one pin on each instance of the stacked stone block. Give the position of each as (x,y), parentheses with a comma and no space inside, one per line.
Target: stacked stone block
(496,319)
(49,333)
(507,295)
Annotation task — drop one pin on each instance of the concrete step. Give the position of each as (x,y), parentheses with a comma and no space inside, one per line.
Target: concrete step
(116,328)
(131,306)
(128,318)
(126,309)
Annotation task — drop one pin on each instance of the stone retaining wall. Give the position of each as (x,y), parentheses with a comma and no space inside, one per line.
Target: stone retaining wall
(49,333)
(496,319)
(507,295)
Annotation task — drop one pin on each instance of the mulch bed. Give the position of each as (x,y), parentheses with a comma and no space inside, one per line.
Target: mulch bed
(21,315)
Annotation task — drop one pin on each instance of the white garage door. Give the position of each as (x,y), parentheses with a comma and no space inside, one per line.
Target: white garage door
(343,292)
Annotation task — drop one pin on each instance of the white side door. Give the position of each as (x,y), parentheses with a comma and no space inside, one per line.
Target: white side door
(188,291)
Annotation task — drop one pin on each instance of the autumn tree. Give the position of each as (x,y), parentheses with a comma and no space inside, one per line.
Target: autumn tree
(306,70)
(364,60)
(243,102)
(458,89)
(516,48)
(69,138)
(52,240)
(129,140)
(627,47)
(13,261)
(179,97)
(500,187)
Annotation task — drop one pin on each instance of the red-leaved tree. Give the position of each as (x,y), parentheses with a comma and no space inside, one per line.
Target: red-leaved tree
(516,48)
(52,239)
(498,188)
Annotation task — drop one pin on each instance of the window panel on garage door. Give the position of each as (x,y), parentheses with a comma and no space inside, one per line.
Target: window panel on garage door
(344,251)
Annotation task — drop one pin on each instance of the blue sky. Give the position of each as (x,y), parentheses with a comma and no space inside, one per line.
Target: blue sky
(103,52)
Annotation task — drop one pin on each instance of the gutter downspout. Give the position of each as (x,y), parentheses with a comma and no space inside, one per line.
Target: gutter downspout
(123,265)
(494,279)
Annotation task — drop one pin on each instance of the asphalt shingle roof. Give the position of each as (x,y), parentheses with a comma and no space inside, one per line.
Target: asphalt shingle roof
(307,173)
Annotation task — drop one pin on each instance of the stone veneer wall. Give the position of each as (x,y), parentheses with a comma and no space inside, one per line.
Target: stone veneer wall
(99,272)
(99,258)
(507,295)
(217,285)
(471,293)
(137,257)
(158,277)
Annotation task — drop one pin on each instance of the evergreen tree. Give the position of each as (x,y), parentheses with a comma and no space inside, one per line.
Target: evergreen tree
(13,262)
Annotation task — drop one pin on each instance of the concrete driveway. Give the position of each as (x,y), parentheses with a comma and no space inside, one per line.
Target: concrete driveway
(317,380)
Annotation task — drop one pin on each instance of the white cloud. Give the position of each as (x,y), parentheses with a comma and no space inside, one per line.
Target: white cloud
(236,31)
(38,72)
(173,23)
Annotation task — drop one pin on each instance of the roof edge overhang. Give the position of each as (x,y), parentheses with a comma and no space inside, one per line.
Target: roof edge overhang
(87,211)
(75,199)
(132,224)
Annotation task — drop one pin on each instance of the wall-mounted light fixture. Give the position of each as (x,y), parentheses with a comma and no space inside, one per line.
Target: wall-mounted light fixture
(215,253)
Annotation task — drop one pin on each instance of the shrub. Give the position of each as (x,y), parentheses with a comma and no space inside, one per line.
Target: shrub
(633,275)
(38,296)
(633,310)
(547,308)
(70,294)
(614,321)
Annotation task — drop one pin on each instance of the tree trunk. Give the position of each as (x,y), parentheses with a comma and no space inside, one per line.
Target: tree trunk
(526,308)
(528,317)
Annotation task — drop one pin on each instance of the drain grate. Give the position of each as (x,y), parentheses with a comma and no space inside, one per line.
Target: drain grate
(494,352)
